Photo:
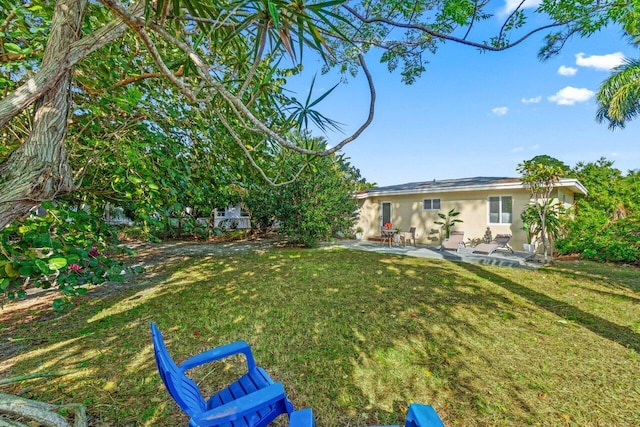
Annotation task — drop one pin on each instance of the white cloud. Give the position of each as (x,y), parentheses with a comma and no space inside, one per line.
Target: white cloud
(535,100)
(517,149)
(535,147)
(570,95)
(567,71)
(600,62)
(500,111)
(511,5)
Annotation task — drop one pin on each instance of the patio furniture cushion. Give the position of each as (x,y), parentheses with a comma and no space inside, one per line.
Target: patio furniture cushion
(456,238)
(501,241)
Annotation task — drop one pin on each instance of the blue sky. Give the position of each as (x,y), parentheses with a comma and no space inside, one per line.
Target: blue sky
(480,114)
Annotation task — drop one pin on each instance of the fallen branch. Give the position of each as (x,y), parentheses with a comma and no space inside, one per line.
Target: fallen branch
(44,413)
(38,375)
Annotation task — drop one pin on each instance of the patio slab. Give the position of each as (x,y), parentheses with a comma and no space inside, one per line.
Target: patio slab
(499,258)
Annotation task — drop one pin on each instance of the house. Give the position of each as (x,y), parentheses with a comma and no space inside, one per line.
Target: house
(231,217)
(482,202)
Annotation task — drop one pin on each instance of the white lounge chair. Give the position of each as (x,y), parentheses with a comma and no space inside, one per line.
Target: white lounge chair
(501,241)
(455,240)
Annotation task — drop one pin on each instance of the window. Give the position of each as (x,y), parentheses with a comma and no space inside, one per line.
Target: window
(500,210)
(431,205)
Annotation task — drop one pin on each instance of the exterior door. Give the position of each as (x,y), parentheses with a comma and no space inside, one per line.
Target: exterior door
(385,214)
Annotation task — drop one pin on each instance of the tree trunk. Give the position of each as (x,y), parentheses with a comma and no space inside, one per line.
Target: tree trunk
(42,413)
(39,170)
(49,73)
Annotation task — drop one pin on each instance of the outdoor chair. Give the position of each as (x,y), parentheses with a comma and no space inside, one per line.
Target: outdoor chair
(387,235)
(252,400)
(408,235)
(501,241)
(456,238)
(420,415)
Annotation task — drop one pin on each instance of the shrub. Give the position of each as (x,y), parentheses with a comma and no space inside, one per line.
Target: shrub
(598,239)
(64,249)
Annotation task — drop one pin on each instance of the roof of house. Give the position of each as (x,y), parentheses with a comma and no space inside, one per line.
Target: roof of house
(462,184)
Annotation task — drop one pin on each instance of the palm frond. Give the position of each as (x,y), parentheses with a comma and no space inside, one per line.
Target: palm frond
(619,96)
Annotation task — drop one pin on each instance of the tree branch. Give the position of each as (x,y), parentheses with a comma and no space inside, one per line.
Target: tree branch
(139,28)
(47,76)
(449,37)
(245,114)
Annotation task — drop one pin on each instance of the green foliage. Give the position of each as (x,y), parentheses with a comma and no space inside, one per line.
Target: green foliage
(65,249)
(302,114)
(529,218)
(541,173)
(448,221)
(532,217)
(318,205)
(617,241)
(619,95)
(607,219)
(153,163)
(584,18)
(542,215)
(23,30)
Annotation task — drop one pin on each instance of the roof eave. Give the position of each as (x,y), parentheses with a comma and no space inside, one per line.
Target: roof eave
(571,183)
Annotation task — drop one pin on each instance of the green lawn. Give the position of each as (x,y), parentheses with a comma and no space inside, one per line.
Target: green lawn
(355,335)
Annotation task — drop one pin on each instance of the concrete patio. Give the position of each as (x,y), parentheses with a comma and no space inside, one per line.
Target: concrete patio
(500,258)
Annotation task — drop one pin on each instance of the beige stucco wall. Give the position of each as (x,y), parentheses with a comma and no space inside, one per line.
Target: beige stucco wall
(406,212)
(566,197)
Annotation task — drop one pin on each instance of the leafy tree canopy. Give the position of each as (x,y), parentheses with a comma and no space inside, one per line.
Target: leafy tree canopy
(318,205)
(606,222)
(223,62)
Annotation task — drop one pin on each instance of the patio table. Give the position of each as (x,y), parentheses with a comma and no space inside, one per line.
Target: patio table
(387,234)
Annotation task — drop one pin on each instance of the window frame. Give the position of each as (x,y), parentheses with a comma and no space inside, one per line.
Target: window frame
(432,209)
(500,210)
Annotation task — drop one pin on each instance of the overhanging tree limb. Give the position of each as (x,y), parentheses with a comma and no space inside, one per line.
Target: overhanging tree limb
(50,72)
(202,68)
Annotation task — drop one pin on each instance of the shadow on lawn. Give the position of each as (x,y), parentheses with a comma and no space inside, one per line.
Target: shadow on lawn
(596,324)
(347,332)
(335,358)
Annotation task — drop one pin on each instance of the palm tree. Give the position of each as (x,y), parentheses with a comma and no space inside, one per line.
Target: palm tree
(619,95)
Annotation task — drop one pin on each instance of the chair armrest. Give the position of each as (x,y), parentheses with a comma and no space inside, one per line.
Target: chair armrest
(422,416)
(239,407)
(302,418)
(238,347)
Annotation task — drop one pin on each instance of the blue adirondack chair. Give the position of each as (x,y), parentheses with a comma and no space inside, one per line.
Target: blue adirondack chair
(422,416)
(253,400)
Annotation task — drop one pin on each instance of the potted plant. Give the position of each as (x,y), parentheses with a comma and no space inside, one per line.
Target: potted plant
(359,231)
(396,235)
(528,247)
(529,218)
(448,221)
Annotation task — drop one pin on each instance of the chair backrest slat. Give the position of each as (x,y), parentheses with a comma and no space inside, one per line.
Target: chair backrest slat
(456,236)
(183,390)
(502,239)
